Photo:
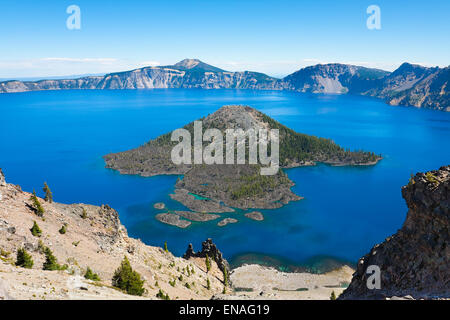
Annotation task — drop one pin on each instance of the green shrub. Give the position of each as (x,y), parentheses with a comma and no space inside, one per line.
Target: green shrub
(208,284)
(51,263)
(128,280)
(63,229)
(90,275)
(4,253)
(35,230)
(172,283)
(165,247)
(24,260)
(162,295)
(84,214)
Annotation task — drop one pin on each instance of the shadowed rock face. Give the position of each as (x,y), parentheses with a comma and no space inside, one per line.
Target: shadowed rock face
(416,260)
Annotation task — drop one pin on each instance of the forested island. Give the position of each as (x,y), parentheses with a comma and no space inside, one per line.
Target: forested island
(219,188)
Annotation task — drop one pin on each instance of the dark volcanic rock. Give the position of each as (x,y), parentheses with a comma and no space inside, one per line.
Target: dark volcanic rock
(416,260)
(227,184)
(208,249)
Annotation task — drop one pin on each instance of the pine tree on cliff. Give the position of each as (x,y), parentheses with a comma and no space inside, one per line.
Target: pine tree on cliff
(50,261)
(225,277)
(333,296)
(128,280)
(35,230)
(90,275)
(48,193)
(24,260)
(37,206)
(208,263)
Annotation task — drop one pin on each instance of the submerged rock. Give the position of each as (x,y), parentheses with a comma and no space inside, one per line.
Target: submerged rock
(416,260)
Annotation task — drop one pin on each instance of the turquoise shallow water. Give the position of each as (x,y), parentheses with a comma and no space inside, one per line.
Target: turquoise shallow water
(60,136)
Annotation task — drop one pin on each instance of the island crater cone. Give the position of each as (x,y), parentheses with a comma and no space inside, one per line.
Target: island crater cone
(219,188)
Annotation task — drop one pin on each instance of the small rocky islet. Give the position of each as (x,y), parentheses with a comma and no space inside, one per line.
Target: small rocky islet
(223,188)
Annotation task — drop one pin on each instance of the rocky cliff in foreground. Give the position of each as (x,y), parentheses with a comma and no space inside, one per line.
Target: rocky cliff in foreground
(409,85)
(416,260)
(97,240)
(94,238)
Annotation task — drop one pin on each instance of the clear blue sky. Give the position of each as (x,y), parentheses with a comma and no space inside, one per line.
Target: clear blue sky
(276,37)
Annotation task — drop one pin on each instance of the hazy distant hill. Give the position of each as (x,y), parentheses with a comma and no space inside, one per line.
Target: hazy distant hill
(409,85)
(334,78)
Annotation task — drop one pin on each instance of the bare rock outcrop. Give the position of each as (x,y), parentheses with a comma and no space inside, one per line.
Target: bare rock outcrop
(208,249)
(416,260)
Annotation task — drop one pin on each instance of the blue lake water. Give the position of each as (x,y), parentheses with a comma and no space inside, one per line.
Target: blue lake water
(60,137)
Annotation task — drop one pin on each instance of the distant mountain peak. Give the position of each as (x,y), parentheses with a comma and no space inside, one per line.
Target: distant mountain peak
(195,64)
(188,63)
